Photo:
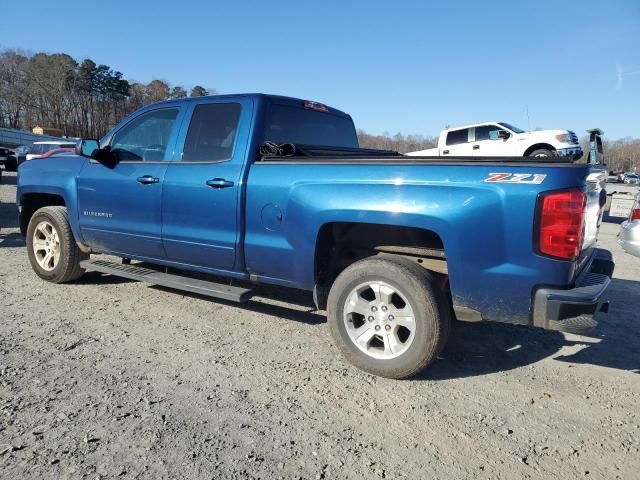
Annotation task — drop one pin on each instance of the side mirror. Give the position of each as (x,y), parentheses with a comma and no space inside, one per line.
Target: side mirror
(87,147)
(503,134)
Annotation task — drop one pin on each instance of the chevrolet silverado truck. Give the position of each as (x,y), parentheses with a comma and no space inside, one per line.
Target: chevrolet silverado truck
(503,140)
(218,195)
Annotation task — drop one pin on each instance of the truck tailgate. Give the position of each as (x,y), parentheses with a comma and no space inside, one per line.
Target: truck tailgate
(596,199)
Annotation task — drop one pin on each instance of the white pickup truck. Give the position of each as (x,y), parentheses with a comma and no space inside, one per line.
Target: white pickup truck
(503,140)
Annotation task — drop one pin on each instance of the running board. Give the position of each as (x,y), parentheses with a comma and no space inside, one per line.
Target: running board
(179,282)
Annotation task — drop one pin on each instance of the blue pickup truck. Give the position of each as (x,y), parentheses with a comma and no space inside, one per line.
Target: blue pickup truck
(217,195)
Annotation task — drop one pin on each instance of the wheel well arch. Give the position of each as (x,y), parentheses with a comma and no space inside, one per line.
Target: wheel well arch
(339,244)
(31,202)
(532,148)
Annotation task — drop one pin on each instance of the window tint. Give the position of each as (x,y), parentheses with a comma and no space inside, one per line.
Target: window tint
(511,127)
(456,137)
(487,132)
(290,124)
(37,149)
(146,137)
(212,132)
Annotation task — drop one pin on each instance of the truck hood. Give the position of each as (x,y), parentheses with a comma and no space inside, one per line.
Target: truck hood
(543,135)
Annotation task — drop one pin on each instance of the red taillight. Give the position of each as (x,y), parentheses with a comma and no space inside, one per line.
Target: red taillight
(561,224)
(635,211)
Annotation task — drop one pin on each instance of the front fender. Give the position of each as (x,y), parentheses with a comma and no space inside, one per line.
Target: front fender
(52,176)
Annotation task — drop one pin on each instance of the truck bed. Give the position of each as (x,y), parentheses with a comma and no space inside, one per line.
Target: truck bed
(486,227)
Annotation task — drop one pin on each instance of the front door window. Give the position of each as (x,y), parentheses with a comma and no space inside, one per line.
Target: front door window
(145,138)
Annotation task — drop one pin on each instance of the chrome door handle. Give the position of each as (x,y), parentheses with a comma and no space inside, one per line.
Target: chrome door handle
(444,152)
(219,183)
(147,180)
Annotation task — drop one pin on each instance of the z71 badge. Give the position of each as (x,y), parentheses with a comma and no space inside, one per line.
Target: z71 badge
(526,178)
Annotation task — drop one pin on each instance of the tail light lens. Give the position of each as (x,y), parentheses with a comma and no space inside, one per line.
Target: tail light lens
(561,224)
(635,211)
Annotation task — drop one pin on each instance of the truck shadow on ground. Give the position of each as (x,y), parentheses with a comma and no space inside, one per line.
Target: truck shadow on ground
(307,314)
(11,240)
(8,216)
(484,348)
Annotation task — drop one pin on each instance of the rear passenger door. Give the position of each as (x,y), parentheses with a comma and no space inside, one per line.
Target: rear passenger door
(202,190)
(457,143)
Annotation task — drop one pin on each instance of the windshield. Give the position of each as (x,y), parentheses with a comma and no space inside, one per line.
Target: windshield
(289,124)
(511,127)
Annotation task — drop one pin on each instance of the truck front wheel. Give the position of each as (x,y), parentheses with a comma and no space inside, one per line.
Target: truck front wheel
(52,250)
(542,152)
(387,316)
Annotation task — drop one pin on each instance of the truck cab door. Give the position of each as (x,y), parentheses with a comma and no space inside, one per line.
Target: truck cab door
(488,143)
(120,207)
(457,143)
(202,194)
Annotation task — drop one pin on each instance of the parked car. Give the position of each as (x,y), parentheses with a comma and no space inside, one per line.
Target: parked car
(9,159)
(5,157)
(21,154)
(261,189)
(632,179)
(58,152)
(629,236)
(503,140)
(40,148)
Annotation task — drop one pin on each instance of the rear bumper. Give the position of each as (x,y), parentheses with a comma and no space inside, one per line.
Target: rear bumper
(572,310)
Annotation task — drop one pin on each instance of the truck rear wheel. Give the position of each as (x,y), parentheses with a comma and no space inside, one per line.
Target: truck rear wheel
(52,250)
(387,317)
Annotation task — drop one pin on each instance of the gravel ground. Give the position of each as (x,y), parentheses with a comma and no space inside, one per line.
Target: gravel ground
(107,378)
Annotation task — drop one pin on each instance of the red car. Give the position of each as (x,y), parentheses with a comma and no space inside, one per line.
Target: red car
(57,152)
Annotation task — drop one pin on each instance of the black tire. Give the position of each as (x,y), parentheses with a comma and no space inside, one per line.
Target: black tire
(542,152)
(67,267)
(416,285)
(11,164)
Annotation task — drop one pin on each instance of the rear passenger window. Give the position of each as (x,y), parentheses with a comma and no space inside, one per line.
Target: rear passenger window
(456,137)
(212,132)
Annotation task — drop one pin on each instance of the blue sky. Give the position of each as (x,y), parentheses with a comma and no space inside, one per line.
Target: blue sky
(401,66)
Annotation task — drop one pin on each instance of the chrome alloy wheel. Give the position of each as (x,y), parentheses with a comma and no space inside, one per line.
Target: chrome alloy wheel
(379,320)
(46,246)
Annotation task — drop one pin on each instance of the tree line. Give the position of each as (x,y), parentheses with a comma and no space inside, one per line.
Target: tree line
(80,99)
(86,99)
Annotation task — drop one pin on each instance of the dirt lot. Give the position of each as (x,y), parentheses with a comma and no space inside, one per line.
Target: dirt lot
(107,378)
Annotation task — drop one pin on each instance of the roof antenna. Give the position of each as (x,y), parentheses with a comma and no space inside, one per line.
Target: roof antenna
(528,119)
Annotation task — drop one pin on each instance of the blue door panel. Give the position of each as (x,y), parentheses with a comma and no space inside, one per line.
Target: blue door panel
(119,214)
(200,222)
